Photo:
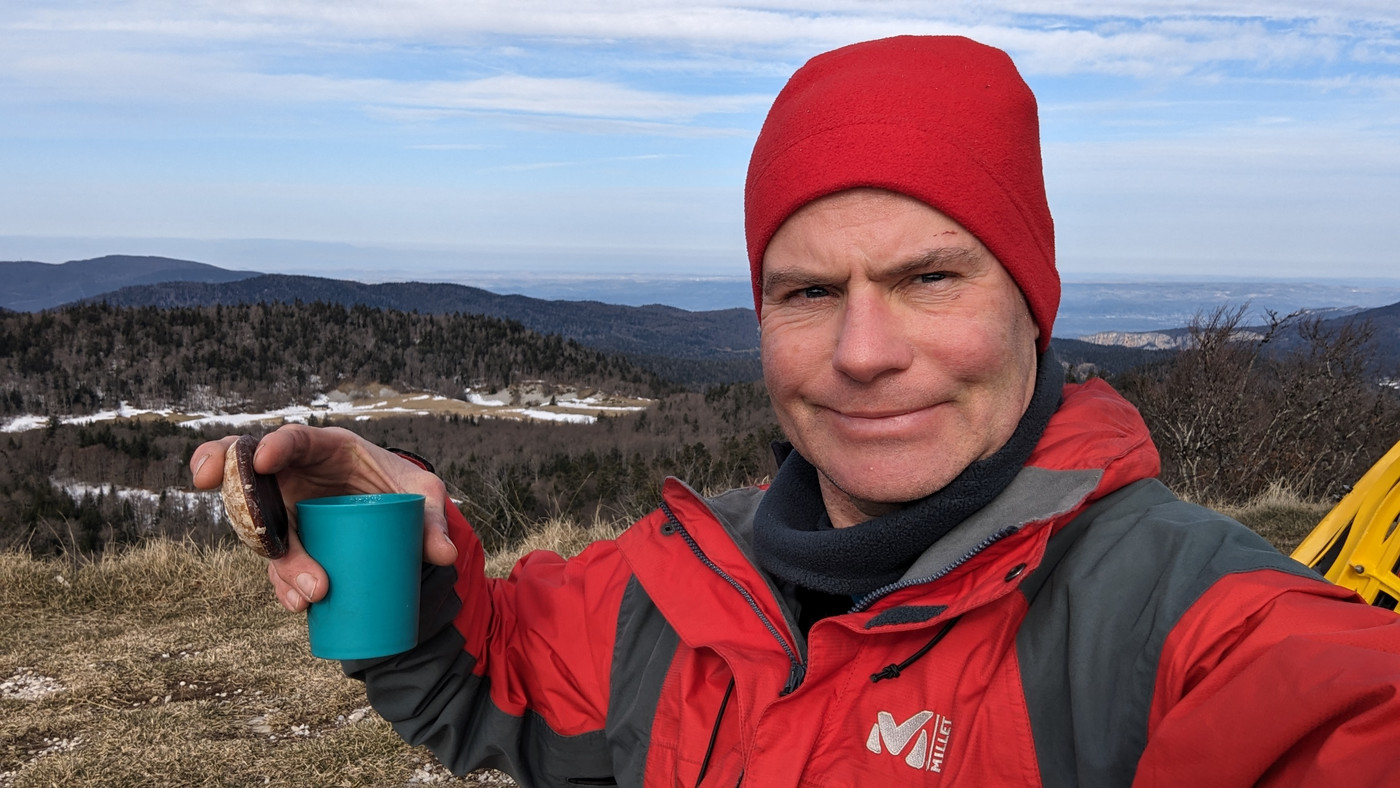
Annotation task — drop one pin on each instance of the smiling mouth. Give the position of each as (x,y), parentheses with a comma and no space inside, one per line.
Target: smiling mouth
(877,416)
(882,421)
(881,414)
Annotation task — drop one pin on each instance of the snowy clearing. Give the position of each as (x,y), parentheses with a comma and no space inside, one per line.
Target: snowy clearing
(533,401)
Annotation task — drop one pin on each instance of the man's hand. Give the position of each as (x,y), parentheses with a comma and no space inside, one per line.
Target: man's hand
(312,462)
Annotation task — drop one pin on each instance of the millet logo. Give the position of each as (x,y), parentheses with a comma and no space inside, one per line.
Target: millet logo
(929,748)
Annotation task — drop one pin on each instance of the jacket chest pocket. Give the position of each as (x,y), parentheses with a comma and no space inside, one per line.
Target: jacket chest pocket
(924,706)
(697,739)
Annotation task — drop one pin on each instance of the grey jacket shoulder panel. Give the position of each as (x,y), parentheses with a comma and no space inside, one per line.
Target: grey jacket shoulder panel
(1114,583)
(735,510)
(1035,494)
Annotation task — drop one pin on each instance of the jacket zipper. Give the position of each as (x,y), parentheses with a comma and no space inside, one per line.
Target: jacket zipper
(879,593)
(796,670)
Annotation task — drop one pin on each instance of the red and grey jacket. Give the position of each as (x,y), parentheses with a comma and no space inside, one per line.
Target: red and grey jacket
(1085,628)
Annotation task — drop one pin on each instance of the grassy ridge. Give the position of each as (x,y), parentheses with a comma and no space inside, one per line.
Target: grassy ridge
(169,664)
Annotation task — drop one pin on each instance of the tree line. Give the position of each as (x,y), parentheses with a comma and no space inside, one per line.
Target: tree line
(1234,412)
(506,475)
(85,358)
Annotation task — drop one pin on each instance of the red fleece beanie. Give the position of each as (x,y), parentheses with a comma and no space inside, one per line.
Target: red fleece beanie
(945,120)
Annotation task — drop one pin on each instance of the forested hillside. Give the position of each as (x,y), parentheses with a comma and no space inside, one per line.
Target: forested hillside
(80,488)
(80,359)
(87,487)
(1305,403)
(726,338)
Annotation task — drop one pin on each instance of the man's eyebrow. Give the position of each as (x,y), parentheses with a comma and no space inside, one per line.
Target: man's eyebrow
(796,277)
(788,278)
(935,258)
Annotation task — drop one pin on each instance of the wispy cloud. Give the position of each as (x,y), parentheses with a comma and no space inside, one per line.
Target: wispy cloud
(1108,37)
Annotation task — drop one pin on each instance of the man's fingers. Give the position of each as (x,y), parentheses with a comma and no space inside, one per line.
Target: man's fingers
(296,578)
(295,445)
(437,547)
(207,463)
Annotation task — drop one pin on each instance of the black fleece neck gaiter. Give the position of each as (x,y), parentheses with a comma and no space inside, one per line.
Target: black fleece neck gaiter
(795,542)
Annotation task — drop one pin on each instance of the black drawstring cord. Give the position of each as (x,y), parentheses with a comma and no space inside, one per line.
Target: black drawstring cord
(714,733)
(893,671)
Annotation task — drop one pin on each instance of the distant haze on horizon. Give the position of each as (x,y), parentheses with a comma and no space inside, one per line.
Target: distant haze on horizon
(1148,301)
(442,140)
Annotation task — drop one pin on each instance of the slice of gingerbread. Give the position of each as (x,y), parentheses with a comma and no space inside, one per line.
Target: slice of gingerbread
(254,501)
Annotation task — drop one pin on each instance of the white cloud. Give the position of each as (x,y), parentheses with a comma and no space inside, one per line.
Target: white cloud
(1069,34)
(169,54)
(568,96)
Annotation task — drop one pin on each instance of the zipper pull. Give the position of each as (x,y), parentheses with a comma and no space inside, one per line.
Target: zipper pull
(796,674)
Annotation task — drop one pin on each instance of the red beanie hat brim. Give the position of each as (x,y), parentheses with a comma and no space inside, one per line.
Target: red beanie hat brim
(944,120)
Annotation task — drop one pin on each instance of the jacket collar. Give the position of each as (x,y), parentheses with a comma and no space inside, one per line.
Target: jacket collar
(1094,444)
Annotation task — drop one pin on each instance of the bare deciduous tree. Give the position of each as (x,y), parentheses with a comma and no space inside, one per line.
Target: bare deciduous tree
(1293,402)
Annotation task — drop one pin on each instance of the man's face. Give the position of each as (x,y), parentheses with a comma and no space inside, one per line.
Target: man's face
(896,349)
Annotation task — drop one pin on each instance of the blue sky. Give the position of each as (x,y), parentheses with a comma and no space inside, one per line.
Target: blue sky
(461,140)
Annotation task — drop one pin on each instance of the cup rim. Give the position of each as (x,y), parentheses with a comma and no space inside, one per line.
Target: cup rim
(363,499)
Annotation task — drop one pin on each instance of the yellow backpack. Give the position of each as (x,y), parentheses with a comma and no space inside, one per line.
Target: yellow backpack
(1357,545)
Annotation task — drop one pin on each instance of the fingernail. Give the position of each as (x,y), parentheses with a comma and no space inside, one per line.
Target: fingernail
(294,600)
(307,584)
(200,464)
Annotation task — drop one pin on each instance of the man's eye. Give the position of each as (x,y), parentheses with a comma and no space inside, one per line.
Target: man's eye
(935,276)
(813,292)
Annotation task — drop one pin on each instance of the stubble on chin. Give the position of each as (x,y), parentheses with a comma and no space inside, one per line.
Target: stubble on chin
(846,509)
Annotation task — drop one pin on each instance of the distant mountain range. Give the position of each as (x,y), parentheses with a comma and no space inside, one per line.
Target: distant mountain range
(722,344)
(632,330)
(719,344)
(27,286)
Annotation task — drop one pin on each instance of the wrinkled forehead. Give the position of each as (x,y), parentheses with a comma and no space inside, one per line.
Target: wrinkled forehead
(884,228)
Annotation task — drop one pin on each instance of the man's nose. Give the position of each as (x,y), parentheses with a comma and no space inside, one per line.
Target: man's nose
(872,340)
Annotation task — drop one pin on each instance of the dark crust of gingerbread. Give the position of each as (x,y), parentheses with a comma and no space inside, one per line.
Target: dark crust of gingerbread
(254,503)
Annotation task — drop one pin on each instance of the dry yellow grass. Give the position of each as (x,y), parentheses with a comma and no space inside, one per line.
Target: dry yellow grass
(169,664)
(1280,516)
(559,535)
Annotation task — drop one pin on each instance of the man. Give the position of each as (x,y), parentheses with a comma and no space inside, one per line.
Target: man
(963,572)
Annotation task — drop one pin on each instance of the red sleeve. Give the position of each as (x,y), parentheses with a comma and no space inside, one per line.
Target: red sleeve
(544,636)
(1302,689)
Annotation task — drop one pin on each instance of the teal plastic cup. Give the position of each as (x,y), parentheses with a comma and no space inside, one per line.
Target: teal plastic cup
(371,547)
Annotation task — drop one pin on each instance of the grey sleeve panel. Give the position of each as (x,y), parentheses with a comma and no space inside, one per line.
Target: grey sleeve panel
(642,655)
(432,699)
(1114,583)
